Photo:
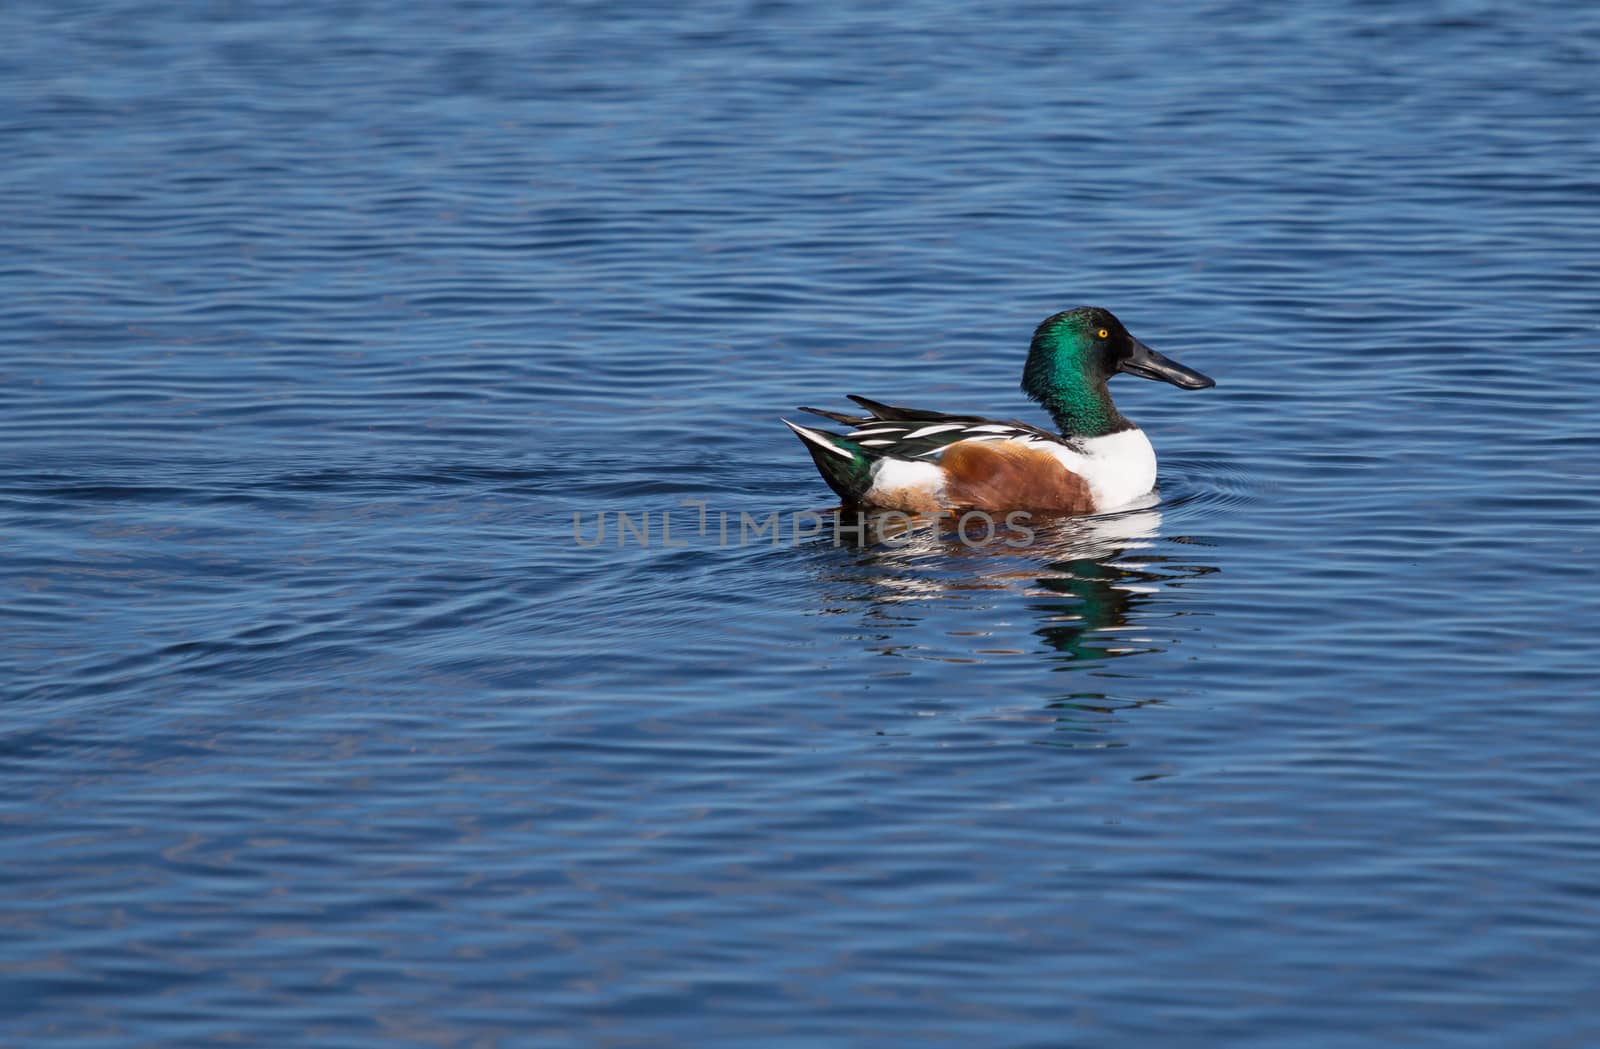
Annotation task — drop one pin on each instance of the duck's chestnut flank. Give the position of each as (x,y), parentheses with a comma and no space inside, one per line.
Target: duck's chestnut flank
(1011,475)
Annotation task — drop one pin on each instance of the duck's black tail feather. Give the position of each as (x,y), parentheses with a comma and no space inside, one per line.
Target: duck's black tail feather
(880,410)
(839,417)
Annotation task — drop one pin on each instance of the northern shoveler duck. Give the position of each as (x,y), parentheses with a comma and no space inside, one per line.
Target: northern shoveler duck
(923,462)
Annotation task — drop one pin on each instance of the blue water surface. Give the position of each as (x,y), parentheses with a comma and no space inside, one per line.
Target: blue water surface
(331,332)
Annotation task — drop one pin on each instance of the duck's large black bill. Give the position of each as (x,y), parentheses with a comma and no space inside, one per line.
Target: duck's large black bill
(1148,364)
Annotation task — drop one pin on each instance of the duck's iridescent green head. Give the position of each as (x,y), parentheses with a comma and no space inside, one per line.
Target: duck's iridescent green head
(1073,354)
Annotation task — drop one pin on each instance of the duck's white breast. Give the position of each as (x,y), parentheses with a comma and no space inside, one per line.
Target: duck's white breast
(1120,467)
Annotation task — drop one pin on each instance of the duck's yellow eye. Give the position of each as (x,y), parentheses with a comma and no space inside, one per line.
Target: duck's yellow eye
(1102,333)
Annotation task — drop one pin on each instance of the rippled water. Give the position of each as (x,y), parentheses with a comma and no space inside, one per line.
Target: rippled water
(323,726)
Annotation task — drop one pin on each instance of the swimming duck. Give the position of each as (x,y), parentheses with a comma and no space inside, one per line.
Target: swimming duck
(923,461)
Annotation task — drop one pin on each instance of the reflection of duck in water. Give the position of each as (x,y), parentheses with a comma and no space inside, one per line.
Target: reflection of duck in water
(1091,589)
(1091,592)
(891,539)
(925,461)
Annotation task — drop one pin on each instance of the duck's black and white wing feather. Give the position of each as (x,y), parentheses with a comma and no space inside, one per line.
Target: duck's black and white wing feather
(914,433)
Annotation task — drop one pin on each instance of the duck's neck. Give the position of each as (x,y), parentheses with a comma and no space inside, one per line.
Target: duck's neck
(1081,407)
